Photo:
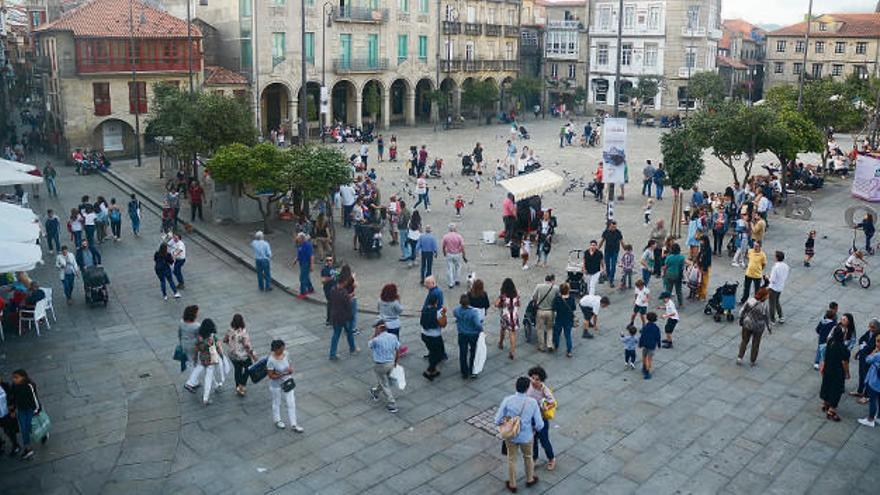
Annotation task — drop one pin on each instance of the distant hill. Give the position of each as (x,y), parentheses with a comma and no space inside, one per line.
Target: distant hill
(769,27)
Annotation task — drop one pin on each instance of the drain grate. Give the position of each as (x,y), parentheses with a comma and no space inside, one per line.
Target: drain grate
(485,421)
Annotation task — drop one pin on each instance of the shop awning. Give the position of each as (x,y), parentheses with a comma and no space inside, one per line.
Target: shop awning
(17,230)
(18,166)
(19,257)
(11,177)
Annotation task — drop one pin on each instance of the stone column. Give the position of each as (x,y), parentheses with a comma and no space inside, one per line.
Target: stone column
(386,109)
(409,106)
(292,114)
(435,112)
(358,110)
(456,102)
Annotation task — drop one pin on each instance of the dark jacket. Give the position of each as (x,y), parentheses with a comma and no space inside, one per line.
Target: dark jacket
(823,329)
(23,397)
(564,309)
(340,305)
(649,337)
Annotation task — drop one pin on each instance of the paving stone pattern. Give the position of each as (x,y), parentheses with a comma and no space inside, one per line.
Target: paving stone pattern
(122,422)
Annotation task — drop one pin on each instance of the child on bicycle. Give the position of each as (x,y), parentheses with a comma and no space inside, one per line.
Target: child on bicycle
(855,262)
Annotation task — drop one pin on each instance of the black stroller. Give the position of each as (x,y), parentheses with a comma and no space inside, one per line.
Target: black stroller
(723,301)
(369,237)
(467,165)
(95,285)
(523,133)
(574,273)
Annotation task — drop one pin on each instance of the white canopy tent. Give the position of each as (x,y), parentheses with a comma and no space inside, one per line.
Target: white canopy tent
(13,230)
(10,177)
(533,184)
(18,213)
(18,166)
(19,257)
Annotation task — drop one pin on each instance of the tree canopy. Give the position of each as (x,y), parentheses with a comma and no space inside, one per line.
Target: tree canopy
(200,123)
(707,88)
(682,158)
(479,94)
(526,89)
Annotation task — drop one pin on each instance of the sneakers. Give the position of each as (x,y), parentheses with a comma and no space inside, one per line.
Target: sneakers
(27,454)
(866,422)
(165,298)
(296,428)
(739,361)
(392,409)
(781,320)
(374,394)
(176,295)
(280,425)
(190,388)
(815,366)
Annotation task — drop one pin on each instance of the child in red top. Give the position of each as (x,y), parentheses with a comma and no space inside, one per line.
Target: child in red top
(459,204)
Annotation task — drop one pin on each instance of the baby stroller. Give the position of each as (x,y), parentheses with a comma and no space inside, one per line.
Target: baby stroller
(574,274)
(531,167)
(95,285)
(723,301)
(369,238)
(693,276)
(523,133)
(467,165)
(435,168)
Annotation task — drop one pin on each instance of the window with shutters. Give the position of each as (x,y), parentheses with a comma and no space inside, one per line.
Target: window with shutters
(137,97)
(101,98)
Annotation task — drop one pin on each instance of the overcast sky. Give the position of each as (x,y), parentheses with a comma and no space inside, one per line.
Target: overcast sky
(785,12)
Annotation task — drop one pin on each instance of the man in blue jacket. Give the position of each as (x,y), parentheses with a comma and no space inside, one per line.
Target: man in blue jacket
(467,320)
(530,421)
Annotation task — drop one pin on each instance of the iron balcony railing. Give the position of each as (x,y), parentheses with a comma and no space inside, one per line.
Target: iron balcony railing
(365,64)
(360,14)
(494,29)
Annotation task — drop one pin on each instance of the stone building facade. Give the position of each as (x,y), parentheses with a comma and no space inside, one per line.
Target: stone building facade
(840,45)
(566,51)
(741,59)
(86,71)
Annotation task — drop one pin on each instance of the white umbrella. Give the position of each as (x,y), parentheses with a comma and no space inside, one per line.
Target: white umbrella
(13,230)
(21,167)
(9,177)
(14,212)
(19,257)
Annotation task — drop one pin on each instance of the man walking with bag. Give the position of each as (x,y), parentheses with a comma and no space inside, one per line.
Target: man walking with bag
(467,320)
(518,418)
(386,353)
(543,298)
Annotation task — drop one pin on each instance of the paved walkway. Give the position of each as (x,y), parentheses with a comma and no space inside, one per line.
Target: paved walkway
(123,424)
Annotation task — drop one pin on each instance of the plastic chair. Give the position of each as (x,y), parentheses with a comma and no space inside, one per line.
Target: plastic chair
(33,317)
(50,306)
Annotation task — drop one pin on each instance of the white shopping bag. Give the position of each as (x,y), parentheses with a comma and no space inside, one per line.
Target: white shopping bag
(398,376)
(480,354)
(224,367)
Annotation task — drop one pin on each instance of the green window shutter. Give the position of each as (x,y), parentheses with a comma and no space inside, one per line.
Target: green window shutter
(345,50)
(423,48)
(402,47)
(373,50)
(310,48)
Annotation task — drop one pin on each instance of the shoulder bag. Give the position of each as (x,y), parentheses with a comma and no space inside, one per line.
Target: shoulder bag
(548,409)
(40,423)
(288,384)
(510,425)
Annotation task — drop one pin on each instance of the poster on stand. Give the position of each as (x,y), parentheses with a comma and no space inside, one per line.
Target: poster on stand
(866,182)
(614,151)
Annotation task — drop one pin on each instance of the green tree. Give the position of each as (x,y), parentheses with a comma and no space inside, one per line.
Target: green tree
(199,123)
(313,172)
(645,90)
(735,132)
(683,162)
(707,88)
(479,95)
(372,101)
(526,89)
(791,133)
(261,172)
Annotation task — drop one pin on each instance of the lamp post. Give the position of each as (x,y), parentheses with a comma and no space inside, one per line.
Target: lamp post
(189,43)
(134,83)
(324,26)
(802,77)
(304,103)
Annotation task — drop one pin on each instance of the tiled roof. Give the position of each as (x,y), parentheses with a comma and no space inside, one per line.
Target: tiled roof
(221,76)
(740,26)
(852,26)
(729,62)
(110,19)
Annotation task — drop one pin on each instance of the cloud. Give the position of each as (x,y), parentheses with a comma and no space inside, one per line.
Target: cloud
(787,12)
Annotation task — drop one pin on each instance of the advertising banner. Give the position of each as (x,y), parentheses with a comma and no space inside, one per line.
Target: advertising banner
(614,150)
(325,100)
(866,183)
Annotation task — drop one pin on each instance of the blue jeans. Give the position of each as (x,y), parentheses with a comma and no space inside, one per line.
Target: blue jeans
(405,250)
(646,276)
(423,199)
(90,234)
(627,279)
(611,265)
(334,340)
(264,274)
(427,264)
(53,240)
(165,276)
(542,436)
(873,399)
(353,324)
(646,187)
(178,270)
(305,284)
(135,223)
(565,330)
(50,187)
(25,417)
(659,188)
(346,216)
(77,238)
(467,348)
(67,282)
(820,353)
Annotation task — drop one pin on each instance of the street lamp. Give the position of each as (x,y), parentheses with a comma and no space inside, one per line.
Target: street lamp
(304,103)
(134,82)
(800,105)
(324,26)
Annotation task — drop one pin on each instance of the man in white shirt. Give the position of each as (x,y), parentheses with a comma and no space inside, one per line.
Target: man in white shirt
(778,276)
(590,306)
(364,152)
(178,250)
(347,196)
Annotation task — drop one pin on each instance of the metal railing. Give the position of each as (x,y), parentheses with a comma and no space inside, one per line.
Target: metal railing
(473,29)
(451,27)
(511,31)
(366,64)
(360,14)
(477,65)
(494,29)
(693,32)
(559,24)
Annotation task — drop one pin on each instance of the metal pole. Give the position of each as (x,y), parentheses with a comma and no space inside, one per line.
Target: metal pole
(137,93)
(803,74)
(189,45)
(304,104)
(619,55)
(687,87)
(255,67)
(437,68)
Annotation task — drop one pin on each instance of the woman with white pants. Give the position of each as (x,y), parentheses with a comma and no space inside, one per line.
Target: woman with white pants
(208,357)
(281,386)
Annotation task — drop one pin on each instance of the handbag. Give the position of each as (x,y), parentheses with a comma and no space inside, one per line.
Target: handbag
(548,409)
(258,371)
(215,356)
(180,356)
(510,425)
(441,317)
(40,423)
(399,376)
(288,384)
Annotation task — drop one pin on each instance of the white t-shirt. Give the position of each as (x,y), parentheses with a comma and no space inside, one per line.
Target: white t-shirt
(421,186)
(177,249)
(642,296)
(90,218)
(670,310)
(778,276)
(347,194)
(591,301)
(278,365)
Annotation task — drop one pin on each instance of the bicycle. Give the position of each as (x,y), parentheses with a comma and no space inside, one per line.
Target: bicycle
(841,275)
